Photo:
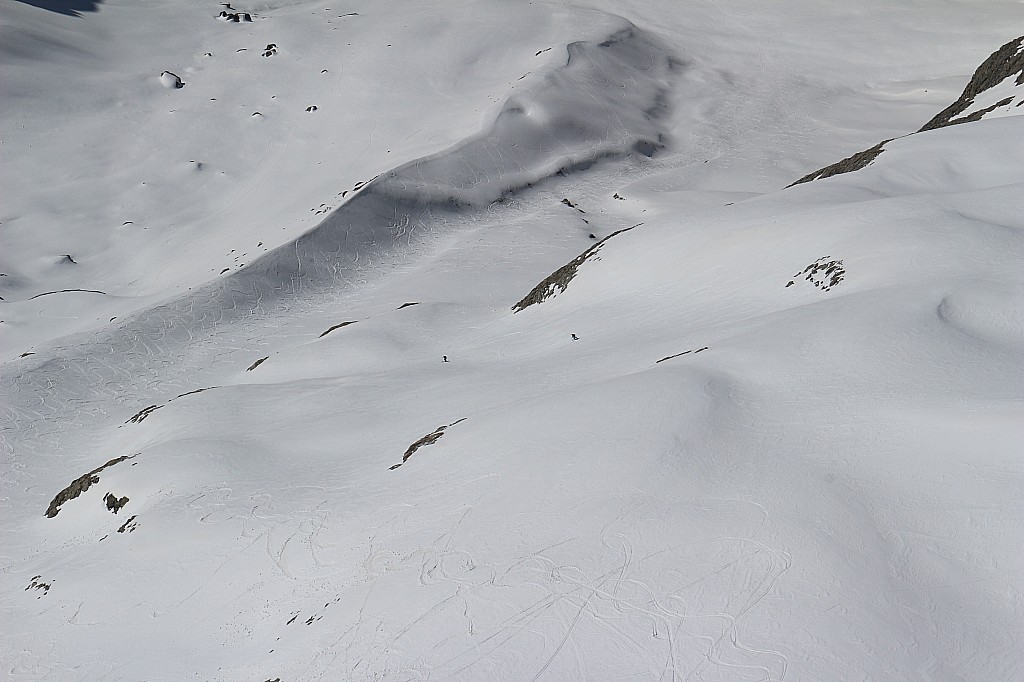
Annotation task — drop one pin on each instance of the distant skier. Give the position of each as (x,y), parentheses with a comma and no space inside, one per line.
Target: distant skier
(444,358)
(575,338)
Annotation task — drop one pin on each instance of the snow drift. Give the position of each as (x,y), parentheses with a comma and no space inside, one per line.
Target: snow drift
(608,101)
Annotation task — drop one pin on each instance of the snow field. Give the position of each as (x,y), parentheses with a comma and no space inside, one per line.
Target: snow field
(726,477)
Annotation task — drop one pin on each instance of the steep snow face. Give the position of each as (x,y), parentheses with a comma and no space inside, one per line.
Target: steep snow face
(760,435)
(993,91)
(989,89)
(153,189)
(608,101)
(999,100)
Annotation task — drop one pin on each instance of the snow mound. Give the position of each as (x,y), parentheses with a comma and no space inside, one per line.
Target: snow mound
(170,80)
(609,100)
(988,310)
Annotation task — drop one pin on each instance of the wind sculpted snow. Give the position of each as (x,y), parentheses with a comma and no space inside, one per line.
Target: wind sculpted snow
(608,101)
(1002,72)
(768,437)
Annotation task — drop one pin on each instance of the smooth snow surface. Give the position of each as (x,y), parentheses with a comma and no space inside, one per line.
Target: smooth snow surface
(765,434)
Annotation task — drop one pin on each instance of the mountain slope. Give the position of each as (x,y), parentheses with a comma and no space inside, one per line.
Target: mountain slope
(997,80)
(756,435)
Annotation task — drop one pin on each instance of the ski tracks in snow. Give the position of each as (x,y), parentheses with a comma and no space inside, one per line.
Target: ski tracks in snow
(672,613)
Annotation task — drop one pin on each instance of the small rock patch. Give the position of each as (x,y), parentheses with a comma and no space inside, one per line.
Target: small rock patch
(428,439)
(37,584)
(257,363)
(114,503)
(822,273)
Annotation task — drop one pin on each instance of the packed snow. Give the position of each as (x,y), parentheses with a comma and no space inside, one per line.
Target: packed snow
(488,341)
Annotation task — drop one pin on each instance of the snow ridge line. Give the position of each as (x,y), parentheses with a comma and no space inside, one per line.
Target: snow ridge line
(1005,63)
(610,100)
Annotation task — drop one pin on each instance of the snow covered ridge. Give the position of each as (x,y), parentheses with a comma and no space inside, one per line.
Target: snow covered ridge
(1003,69)
(559,280)
(994,90)
(608,101)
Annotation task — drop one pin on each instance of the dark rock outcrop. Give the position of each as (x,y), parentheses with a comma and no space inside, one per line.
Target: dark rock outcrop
(80,485)
(113,502)
(128,526)
(558,281)
(337,326)
(236,17)
(1004,63)
(847,165)
(257,363)
(428,439)
(142,414)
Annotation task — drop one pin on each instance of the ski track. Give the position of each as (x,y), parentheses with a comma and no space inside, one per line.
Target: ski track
(570,596)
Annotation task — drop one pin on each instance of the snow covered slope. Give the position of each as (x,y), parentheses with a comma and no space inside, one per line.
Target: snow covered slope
(994,90)
(511,359)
